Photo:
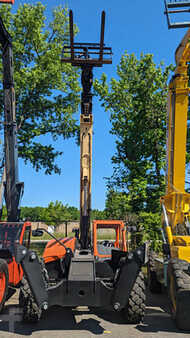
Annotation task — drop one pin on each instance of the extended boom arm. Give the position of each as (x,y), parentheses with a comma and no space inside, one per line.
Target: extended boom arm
(176,202)
(13,188)
(86,56)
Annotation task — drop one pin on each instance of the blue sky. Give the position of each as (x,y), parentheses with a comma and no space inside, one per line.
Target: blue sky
(134,26)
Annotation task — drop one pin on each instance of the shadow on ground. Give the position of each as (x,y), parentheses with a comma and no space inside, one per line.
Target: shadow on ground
(157,319)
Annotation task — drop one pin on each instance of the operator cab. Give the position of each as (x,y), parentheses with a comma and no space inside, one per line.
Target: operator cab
(11,232)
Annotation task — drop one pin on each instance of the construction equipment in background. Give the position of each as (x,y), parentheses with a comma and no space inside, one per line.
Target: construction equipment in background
(175,7)
(174,271)
(79,271)
(13,231)
(10,2)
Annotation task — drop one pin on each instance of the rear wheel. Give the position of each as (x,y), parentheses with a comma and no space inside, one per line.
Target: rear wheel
(4,280)
(135,309)
(179,292)
(153,284)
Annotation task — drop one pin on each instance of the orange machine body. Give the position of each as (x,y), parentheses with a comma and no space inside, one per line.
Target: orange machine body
(54,250)
(11,231)
(11,2)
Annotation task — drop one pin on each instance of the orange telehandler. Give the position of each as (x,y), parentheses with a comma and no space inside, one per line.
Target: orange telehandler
(13,231)
(79,270)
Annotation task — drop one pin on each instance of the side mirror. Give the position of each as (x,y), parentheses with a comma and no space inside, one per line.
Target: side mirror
(76,232)
(37,233)
(131,228)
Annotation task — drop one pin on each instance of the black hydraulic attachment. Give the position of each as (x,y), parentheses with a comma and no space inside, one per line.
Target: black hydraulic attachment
(13,188)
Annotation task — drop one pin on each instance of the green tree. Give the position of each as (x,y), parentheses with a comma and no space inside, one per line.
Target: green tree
(74,213)
(53,214)
(57,213)
(47,91)
(137,102)
(98,214)
(150,224)
(117,205)
(33,214)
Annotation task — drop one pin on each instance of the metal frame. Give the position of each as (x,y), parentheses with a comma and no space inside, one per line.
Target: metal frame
(93,54)
(84,286)
(175,7)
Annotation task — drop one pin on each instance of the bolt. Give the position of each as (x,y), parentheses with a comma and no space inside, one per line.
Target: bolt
(33,256)
(130,255)
(45,306)
(116,306)
(24,252)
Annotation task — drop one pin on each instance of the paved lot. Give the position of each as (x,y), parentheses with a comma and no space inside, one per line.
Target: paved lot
(82,322)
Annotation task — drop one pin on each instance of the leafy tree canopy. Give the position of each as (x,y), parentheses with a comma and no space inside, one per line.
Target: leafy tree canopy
(98,214)
(117,205)
(47,92)
(53,214)
(136,100)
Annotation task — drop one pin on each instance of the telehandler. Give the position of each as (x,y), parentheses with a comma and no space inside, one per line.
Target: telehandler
(174,270)
(79,270)
(13,231)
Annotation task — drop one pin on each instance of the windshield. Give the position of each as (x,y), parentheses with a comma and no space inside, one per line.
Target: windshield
(8,234)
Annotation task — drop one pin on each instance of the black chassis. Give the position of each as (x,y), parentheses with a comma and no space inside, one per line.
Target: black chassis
(88,282)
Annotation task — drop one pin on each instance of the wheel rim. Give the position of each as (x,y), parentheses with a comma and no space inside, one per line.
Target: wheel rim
(2,285)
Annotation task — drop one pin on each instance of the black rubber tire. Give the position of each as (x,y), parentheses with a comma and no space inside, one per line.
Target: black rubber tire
(21,298)
(153,284)
(4,270)
(31,311)
(134,311)
(179,292)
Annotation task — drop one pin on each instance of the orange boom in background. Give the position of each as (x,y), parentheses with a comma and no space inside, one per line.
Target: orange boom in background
(7,2)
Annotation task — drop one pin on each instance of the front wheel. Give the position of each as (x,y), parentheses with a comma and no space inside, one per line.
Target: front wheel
(4,281)
(134,311)
(31,311)
(153,284)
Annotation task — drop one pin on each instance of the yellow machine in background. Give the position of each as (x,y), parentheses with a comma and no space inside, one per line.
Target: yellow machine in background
(176,203)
